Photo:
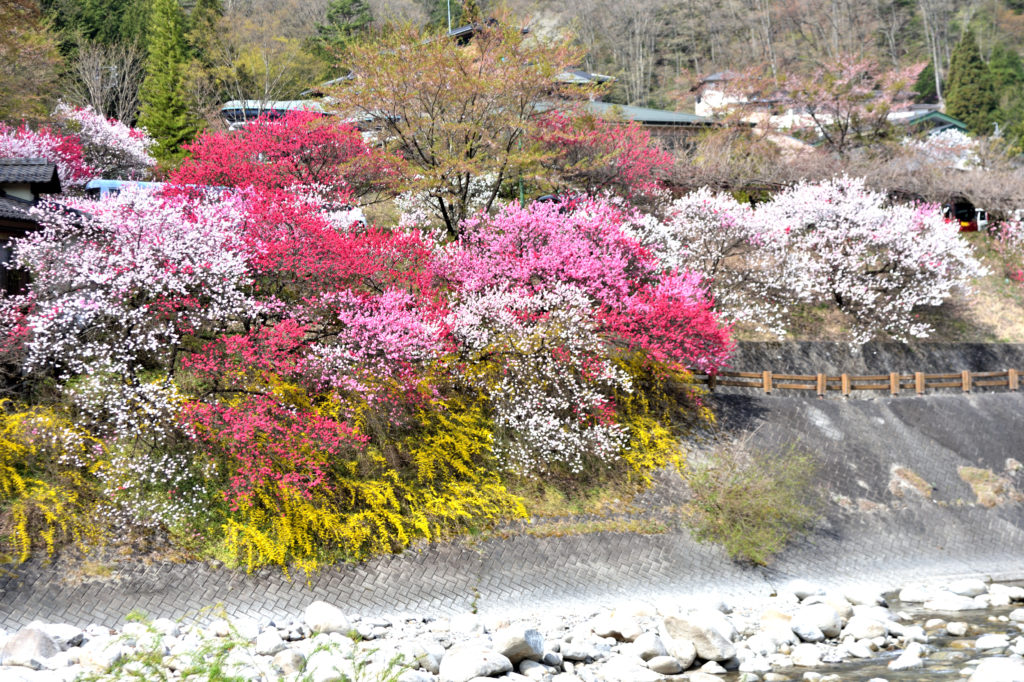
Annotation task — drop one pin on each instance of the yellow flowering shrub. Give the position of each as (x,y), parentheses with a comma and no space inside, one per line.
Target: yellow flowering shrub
(434,480)
(664,400)
(46,466)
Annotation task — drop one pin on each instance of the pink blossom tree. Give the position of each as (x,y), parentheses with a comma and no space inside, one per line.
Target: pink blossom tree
(544,299)
(84,145)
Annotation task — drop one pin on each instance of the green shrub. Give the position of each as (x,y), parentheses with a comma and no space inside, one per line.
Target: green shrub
(752,502)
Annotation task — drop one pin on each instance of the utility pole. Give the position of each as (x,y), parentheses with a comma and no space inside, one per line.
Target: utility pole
(449,16)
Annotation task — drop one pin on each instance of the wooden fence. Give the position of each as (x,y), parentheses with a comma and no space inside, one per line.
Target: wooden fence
(894,382)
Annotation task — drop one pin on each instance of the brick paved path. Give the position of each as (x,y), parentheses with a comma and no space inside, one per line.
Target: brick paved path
(872,536)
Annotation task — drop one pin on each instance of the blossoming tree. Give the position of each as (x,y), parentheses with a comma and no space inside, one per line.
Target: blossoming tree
(832,243)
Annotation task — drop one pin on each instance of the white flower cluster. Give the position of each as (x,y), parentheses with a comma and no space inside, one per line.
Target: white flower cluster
(834,242)
(548,377)
(713,234)
(950,148)
(115,291)
(419,208)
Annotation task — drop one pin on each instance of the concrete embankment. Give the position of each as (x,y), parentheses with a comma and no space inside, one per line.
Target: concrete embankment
(918,487)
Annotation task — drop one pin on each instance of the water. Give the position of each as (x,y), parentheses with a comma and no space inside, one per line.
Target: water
(950,656)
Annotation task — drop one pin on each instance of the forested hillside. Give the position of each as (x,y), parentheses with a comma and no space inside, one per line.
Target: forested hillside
(657,49)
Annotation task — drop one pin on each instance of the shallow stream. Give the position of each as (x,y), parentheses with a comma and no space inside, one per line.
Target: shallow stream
(947,656)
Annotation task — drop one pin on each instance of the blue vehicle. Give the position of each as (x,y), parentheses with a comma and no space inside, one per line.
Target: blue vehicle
(101,189)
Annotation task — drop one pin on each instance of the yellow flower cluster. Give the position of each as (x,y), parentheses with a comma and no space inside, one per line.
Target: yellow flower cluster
(38,444)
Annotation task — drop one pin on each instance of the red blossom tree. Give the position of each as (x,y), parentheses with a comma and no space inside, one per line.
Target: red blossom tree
(302,152)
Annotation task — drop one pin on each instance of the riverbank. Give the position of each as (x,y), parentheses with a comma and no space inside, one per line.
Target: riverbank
(962,629)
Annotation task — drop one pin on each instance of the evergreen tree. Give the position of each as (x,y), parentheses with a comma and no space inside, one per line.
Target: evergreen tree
(345,21)
(970,95)
(165,112)
(202,34)
(471,12)
(1006,67)
(924,86)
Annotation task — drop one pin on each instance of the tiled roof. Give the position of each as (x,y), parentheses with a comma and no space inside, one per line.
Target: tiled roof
(15,209)
(27,170)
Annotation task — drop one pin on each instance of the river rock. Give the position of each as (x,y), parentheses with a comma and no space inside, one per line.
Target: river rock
(699,676)
(648,646)
(709,643)
(865,596)
(1017,615)
(328,665)
(627,668)
(943,600)
(992,641)
(535,670)
(578,650)
(462,663)
(323,617)
(916,593)
(808,633)
(968,587)
(806,655)
(414,675)
(619,625)
(803,588)
(63,635)
(910,659)
(101,653)
(820,617)
(999,670)
(269,642)
(289,661)
(518,642)
(666,665)
(957,628)
(863,627)
(28,648)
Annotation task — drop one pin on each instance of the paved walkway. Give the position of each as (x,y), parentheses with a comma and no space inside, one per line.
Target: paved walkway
(870,535)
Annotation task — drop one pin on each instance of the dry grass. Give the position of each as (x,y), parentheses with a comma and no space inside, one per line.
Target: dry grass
(990,488)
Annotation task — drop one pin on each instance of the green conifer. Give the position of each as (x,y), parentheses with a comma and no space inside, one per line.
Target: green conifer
(970,95)
(165,111)
(345,21)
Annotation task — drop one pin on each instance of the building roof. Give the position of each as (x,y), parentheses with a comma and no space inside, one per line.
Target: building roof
(580,77)
(39,173)
(648,116)
(936,119)
(12,208)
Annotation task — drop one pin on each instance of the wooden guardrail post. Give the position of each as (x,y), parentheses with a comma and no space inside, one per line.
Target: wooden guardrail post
(766,381)
(1014,379)
(822,385)
(965,379)
(894,383)
(919,382)
(846,385)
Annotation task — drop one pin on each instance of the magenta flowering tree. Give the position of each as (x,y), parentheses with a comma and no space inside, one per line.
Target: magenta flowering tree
(115,150)
(83,145)
(63,151)
(545,299)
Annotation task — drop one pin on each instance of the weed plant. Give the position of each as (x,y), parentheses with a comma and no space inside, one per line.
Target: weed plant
(752,502)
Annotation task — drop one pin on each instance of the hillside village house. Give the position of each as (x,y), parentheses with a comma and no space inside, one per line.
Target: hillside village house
(715,98)
(22,183)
